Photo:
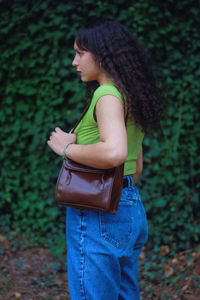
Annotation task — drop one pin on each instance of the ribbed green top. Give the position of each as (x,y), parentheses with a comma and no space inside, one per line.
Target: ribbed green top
(88,133)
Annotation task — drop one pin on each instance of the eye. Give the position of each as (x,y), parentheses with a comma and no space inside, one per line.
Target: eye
(80,53)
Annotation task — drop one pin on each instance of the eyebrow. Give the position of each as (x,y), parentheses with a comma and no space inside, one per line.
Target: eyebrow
(77,49)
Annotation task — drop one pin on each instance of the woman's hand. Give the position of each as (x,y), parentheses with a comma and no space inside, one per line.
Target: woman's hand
(58,140)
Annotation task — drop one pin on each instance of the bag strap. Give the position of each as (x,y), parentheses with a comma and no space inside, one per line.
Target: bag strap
(81,117)
(125,112)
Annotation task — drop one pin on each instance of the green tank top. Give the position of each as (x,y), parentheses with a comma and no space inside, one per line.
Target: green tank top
(88,133)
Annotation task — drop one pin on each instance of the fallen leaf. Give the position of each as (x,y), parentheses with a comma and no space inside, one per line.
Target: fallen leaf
(142,255)
(197,270)
(182,258)
(3,238)
(164,250)
(185,287)
(190,262)
(168,271)
(17,295)
(174,261)
(197,256)
(175,279)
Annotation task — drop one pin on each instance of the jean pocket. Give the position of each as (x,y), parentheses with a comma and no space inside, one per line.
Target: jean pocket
(117,229)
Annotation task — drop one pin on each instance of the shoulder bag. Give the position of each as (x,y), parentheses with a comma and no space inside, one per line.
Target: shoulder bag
(85,187)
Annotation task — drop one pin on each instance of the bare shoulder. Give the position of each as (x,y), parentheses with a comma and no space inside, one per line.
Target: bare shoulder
(109,101)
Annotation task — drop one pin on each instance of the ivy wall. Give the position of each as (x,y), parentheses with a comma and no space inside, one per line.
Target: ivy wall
(40,90)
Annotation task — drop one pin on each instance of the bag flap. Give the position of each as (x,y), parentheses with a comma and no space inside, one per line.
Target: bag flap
(72,165)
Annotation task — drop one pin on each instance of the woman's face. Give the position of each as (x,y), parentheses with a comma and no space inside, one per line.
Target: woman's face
(86,65)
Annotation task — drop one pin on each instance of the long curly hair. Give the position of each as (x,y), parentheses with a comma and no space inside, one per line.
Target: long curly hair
(122,57)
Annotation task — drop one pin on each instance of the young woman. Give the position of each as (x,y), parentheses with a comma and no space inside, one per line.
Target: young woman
(102,248)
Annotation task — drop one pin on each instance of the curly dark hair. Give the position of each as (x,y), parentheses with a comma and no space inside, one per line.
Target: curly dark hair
(123,58)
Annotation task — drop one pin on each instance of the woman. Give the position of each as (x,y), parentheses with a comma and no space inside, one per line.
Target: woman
(102,248)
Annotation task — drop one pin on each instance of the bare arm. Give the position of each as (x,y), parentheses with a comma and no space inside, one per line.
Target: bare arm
(139,166)
(111,151)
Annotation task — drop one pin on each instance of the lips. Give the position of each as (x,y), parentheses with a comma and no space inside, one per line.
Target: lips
(79,72)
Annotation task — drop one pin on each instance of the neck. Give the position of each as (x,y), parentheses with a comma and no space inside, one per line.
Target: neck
(104,78)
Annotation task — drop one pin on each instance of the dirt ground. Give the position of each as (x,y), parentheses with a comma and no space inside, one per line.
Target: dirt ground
(34,274)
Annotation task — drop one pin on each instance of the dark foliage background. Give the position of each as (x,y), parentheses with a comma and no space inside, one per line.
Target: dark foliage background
(40,90)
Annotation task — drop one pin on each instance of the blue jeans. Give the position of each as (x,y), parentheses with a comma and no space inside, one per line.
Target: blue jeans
(103,249)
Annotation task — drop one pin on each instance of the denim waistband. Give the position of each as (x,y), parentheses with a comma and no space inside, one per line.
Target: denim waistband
(130,189)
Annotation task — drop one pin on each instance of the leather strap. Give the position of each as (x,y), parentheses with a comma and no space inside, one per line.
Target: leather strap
(81,117)
(125,112)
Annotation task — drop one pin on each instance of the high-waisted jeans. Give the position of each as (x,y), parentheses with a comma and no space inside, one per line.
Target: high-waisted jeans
(103,249)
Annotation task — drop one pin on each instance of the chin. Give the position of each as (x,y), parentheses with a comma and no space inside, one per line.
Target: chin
(87,79)
(83,79)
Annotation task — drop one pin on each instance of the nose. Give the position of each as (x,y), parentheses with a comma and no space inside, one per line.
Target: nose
(74,62)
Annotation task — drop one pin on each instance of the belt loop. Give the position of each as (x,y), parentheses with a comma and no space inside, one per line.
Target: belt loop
(131,179)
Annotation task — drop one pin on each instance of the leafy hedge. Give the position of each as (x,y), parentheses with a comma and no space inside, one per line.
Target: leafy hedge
(40,90)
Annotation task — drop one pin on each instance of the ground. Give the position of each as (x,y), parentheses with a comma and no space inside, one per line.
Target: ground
(33,273)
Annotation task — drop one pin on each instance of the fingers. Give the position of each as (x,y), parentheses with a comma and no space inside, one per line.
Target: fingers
(57,133)
(49,143)
(58,129)
(53,133)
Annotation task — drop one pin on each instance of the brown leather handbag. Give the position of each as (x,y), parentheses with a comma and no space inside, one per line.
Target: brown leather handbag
(86,187)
